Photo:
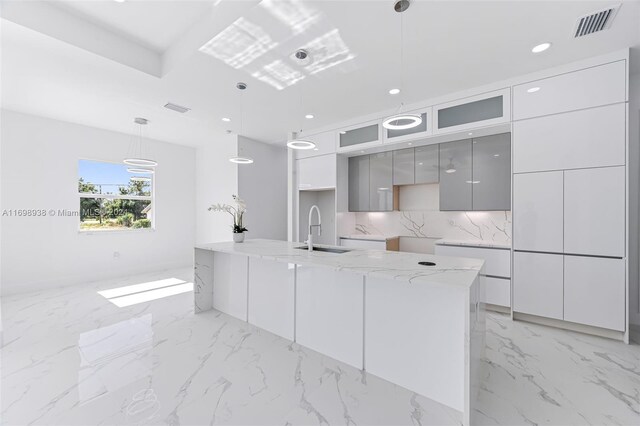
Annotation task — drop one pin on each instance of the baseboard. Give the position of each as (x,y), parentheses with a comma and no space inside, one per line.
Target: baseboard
(571,326)
(634,333)
(497,308)
(61,282)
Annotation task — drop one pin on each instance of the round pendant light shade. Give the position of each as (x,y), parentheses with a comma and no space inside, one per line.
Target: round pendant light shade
(138,155)
(301,144)
(142,162)
(140,170)
(241,160)
(402,121)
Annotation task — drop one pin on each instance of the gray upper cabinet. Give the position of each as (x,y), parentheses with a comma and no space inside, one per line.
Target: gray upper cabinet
(381,182)
(492,172)
(404,167)
(359,183)
(427,164)
(456,175)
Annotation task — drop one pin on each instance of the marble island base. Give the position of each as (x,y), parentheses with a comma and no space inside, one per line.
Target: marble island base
(422,329)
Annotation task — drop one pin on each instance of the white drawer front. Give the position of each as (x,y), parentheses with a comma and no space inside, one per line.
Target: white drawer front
(594,291)
(363,244)
(538,284)
(497,291)
(591,87)
(580,139)
(497,262)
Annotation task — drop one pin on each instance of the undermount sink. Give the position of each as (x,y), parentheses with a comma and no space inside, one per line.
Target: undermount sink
(325,249)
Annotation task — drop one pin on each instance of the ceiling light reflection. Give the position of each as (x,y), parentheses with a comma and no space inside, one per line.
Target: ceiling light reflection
(239,44)
(293,13)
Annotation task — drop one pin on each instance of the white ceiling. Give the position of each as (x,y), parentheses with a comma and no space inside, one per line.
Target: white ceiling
(449,46)
(153,24)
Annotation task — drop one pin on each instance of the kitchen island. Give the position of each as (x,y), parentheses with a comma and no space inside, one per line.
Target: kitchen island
(420,326)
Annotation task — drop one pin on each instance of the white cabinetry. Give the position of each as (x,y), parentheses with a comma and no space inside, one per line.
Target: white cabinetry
(363,244)
(230,284)
(594,291)
(594,211)
(271,296)
(589,138)
(497,268)
(403,346)
(538,284)
(538,212)
(327,323)
(316,172)
(325,144)
(591,87)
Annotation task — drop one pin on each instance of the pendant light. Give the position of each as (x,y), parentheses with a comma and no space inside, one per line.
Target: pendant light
(294,141)
(450,167)
(401,121)
(240,159)
(138,155)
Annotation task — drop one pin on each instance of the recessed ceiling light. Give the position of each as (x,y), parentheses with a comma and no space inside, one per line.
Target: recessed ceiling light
(394,91)
(470,133)
(362,152)
(496,155)
(119,1)
(309,116)
(409,144)
(225,119)
(343,132)
(533,89)
(541,47)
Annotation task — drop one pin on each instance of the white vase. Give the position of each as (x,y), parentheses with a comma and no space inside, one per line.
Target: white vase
(238,237)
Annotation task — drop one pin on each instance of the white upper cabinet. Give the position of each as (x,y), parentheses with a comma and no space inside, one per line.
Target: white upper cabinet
(593,137)
(424,129)
(482,110)
(538,212)
(591,87)
(359,136)
(325,144)
(594,211)
(316,172)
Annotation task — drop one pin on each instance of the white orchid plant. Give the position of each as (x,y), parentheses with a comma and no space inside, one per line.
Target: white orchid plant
(236,211)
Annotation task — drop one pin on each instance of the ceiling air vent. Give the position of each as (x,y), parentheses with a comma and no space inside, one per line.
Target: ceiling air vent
(177,108)
(594,22)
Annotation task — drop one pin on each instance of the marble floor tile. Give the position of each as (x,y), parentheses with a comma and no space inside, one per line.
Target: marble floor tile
(71,357)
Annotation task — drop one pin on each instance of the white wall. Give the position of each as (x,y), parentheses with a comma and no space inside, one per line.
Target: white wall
(263,185)
(216,182)
(40,171)
(634,177)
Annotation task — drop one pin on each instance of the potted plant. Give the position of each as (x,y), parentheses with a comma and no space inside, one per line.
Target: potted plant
(237,213)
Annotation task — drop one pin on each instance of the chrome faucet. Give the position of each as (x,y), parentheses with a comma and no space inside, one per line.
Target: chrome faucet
(319,225)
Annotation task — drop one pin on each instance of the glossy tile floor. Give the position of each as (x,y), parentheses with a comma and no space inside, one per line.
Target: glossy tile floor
(71,356)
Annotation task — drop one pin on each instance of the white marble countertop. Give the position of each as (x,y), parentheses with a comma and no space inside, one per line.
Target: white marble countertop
(473,243)
(368,237)
(375,263)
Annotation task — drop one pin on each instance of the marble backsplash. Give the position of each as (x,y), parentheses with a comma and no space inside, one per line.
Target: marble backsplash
(419,222)
(489,226)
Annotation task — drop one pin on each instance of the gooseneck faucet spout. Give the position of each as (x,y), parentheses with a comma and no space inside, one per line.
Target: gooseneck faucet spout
(319,225)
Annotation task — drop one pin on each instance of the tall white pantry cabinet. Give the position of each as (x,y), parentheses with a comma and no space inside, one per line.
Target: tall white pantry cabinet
(570,193)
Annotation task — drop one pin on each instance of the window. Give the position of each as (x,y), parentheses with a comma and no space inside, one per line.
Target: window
(111,198)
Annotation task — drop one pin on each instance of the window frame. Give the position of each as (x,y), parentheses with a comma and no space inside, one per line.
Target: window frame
(151,198)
